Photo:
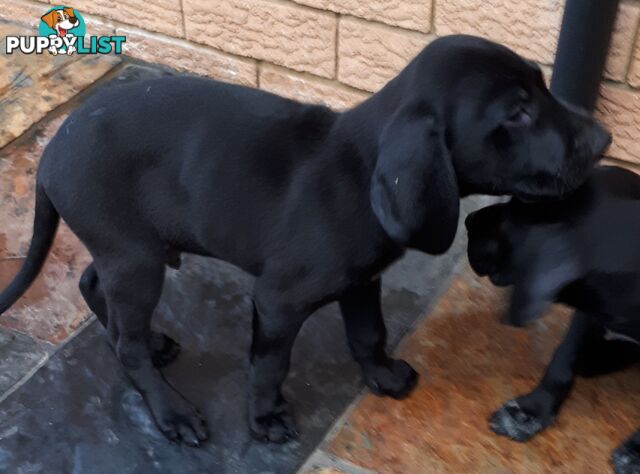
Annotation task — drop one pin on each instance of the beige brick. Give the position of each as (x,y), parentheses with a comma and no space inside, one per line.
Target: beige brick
(622,41)
(98,26)
(619,109)
(633,76)
(185,56)
(530,27)
(164,16)
(22,11)
(292,36)
(410,14)
(369,55)
(309,89)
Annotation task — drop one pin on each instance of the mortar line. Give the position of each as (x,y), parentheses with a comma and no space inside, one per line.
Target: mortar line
(184,19)
(337,48)
(432,26)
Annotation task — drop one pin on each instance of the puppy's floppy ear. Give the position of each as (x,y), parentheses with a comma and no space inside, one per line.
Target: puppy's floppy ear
(414,192)
(69,11)
(50,18)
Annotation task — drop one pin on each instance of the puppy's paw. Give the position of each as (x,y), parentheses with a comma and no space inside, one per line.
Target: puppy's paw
(396,379)
(276,427)
(164,350)
(626,459)
(181,422)
(514,422)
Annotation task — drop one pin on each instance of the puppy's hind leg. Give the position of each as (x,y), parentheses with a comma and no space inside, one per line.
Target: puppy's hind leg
(94,297)
(164,350)
(367,337)
(522,418)
(132,283)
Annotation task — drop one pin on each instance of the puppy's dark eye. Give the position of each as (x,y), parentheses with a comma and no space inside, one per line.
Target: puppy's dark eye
(520,117)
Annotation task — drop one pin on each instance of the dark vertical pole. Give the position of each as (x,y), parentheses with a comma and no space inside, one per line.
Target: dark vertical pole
(582,50)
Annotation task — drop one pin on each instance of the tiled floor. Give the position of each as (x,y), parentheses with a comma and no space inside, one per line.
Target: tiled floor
(66,407)
(471,364)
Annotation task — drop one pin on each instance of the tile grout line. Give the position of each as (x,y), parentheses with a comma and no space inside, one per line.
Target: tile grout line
(335,428)
(45,358)
(322,460)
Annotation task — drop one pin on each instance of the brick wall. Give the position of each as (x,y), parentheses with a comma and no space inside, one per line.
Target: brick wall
(339,51)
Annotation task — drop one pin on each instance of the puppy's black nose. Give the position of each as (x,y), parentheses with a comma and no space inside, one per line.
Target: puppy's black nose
(73,19)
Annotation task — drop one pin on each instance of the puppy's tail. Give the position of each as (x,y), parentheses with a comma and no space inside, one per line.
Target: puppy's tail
(45,225)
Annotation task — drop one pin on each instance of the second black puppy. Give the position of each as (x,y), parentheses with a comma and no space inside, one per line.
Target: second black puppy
(315,204)
(583,251)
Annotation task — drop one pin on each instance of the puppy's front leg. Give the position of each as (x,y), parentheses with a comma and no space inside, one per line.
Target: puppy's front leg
(275,327)
(367,337)
(522,418)
(527,303)
(540,278)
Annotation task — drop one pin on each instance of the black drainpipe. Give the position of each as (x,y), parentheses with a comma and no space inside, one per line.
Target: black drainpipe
(582,50)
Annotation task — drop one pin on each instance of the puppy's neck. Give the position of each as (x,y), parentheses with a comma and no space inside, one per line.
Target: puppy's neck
(363,125)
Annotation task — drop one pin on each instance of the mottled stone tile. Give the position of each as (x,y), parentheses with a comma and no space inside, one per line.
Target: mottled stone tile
(52,308)
(470,364)
(31,85)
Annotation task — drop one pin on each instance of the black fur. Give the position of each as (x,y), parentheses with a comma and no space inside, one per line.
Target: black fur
(314,203)
(583,251)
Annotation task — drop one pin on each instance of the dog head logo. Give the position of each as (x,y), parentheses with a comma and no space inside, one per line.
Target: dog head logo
(63,23)
(62,30)
(61,20)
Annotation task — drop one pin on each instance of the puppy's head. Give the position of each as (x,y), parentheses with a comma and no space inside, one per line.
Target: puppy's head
(488,246)
(506,133)
(470,117)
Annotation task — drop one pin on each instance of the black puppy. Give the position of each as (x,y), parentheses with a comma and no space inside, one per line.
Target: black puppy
(583,251)
(314,203)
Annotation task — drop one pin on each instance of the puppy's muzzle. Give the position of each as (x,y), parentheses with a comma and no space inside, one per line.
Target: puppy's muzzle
(592,138)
